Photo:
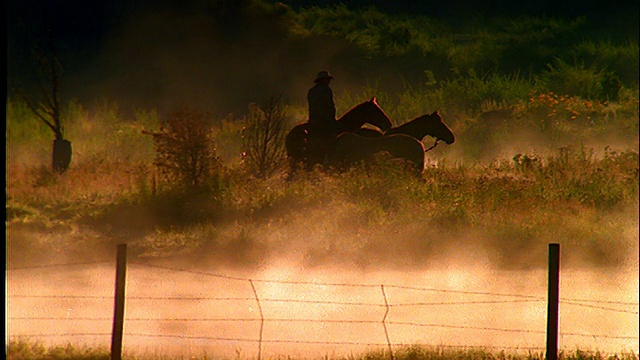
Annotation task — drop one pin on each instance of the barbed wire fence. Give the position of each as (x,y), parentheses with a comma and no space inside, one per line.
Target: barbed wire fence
(379,317)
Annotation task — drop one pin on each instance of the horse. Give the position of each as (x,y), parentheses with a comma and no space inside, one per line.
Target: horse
(428,124)
(368,112)
(351,148)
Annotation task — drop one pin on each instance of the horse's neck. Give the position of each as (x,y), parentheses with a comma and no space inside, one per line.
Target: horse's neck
(418,128)
(353,119)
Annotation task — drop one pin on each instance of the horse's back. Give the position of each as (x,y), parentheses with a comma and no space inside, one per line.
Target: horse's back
(368,132)
(428,124)
(351,148)
(396,130)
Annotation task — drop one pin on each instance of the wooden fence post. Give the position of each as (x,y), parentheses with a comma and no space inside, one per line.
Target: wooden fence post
(118,313)
(553,300)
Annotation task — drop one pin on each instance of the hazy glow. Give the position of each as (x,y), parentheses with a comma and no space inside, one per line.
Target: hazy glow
(415,297)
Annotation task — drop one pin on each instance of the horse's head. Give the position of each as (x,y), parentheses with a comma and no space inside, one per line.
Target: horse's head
(367,112)
(377,116)
(439,129)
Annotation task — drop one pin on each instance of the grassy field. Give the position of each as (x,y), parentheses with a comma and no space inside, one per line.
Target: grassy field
(541,171)
(546,117)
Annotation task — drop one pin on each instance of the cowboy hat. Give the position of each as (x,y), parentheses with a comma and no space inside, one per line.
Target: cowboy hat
(323,75)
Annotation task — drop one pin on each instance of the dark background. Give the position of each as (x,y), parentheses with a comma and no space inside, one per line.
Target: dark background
(216,55)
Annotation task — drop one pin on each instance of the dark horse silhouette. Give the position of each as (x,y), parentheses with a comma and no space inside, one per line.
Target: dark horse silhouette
(351,148)
(368,112)
(428,124)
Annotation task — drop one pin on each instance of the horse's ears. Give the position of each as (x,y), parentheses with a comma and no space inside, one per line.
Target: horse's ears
(437,112)
(373,100)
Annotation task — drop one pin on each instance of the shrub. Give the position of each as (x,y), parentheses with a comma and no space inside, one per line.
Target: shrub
(588,82)
(185,152)
(472,92)
(264,137)
(622,59)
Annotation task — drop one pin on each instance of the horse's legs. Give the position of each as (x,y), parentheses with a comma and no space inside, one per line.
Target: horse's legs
(293,168)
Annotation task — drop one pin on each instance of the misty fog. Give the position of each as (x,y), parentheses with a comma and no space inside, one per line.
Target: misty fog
(203,59)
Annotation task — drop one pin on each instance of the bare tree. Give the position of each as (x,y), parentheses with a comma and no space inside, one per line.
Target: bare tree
(264,137)
(48,72)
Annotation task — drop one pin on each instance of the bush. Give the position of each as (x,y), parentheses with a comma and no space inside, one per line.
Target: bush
(185,152)
(472,92)
(622,59)
(264,137)
(587,82)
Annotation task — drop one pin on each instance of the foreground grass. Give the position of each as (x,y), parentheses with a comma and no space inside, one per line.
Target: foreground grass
(29,350)
(26,350)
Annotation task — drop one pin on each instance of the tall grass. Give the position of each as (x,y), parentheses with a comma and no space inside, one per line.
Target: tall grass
(28,350)
(22,350)
(114,166)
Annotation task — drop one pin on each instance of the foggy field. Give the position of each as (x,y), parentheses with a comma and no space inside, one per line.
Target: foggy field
(450,264)
(464,227)
(457,305)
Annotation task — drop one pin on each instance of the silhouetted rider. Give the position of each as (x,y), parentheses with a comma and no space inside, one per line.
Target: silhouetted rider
(323,128)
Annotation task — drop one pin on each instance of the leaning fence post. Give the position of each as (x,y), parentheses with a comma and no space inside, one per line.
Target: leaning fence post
(384,324)
(118,313)
(552,306)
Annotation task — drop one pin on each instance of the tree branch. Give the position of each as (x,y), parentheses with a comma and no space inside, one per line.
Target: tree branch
(35,110)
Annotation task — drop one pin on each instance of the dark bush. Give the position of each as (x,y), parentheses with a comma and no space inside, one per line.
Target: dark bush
(185,152)
(264,137)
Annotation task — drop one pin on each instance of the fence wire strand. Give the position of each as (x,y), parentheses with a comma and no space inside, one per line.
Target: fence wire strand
(516,298)
(45,266)
(328,321)
(599,307)
(404,287)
